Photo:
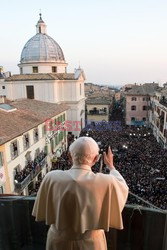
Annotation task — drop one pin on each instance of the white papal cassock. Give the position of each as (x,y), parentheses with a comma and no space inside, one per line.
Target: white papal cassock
(80,205)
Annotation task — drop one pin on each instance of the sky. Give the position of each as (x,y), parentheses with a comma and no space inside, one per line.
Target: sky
(115,42)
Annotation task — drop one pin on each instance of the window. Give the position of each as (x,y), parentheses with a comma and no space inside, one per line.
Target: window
(1,190)
(26,141)
(17,168)
(134,98)
(54,69)
(35,69)
(3,87)
(133,107)
(14,149)
(1,159)
(36,136)
(144,119)
(144,107)
(30,92)
(21,71)
(37,152)
(28,157)
(132,118)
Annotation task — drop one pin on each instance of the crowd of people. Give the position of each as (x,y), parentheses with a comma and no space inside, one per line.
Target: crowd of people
(140,160)
(137,156)
(31,167)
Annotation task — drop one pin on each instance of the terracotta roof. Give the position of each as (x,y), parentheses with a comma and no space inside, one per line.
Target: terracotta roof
(32,77)
(97,101)
(142,90)
(29,114)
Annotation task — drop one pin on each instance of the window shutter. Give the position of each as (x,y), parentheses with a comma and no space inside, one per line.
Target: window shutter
(59,136)
(46,149)
(52,144)
(34,135)
(18,148)
(1,159)
(24,142)
(11,151)
(43,127)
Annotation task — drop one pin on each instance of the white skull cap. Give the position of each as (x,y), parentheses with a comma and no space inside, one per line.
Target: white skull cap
(84,146)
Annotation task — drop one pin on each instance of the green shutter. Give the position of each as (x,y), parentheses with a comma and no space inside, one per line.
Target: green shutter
(56,140)
(46,149)
(59,136)
(1,159)
(52,144)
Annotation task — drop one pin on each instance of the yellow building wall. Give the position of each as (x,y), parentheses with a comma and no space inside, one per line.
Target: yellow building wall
(6,184)
(98,118)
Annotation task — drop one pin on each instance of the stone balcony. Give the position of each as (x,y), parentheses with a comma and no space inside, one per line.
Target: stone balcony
(144,228)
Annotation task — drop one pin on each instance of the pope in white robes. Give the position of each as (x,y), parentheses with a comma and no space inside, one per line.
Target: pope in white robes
(80,205)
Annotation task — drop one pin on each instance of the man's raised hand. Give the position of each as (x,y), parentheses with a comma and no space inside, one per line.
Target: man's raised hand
(108,159)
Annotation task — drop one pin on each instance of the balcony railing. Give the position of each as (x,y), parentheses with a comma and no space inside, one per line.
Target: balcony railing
(23,184)
(39,167)
(97,113)
(163,101)
(144,228)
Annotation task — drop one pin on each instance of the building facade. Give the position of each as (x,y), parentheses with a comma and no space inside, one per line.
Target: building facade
(97,110)
(28,142)
(158,117)
(137,109)
(44,77)
(137,104)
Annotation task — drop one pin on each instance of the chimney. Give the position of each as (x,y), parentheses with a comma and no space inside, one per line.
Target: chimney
(7,74)
(2,98)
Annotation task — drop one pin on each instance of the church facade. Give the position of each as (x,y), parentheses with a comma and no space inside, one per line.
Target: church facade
(44,77)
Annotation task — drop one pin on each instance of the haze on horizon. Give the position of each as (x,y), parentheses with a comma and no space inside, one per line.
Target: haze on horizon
(115,42)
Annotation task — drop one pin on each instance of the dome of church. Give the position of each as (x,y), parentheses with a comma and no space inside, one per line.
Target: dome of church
(41,47)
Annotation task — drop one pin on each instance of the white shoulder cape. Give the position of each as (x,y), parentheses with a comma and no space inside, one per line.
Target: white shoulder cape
(81,200)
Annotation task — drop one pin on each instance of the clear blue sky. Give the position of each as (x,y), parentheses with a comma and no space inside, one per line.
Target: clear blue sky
(115,41)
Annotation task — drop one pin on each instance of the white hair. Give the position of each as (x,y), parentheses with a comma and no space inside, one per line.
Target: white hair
(83,150)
